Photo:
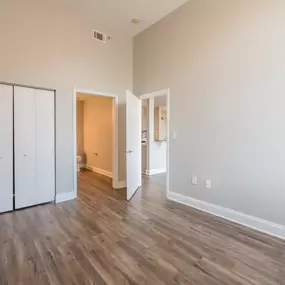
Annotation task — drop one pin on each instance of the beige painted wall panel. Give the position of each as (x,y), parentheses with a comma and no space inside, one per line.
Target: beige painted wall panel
(98,132)
(49,44)
(224,63)
(80,127)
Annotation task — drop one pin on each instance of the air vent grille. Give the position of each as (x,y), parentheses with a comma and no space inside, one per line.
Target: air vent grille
(99,36)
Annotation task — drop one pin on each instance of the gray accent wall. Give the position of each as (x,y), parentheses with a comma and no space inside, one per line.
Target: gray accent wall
(224,62)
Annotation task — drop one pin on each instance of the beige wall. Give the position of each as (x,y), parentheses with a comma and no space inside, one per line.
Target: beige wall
(144,118)
(49,44)
(80,127)
(224,62)
(159,123)
(98,132)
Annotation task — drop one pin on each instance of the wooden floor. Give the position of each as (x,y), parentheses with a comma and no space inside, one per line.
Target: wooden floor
(101,239)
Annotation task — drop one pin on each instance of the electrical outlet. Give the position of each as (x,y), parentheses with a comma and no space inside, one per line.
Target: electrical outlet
(194,180)
(208,184)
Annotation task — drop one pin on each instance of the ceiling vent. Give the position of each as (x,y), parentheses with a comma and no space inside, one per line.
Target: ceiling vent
(99,36)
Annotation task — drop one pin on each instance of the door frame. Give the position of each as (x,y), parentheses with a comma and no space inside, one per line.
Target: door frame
(115,144)
(165,92)
(133,132)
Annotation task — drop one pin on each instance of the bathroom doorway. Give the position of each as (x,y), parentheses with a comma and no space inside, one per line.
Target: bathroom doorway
(95,130)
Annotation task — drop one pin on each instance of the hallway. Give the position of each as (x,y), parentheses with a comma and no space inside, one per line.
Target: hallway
(101,239)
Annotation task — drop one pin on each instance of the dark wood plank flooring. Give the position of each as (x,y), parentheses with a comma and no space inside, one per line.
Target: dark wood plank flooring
(102,239)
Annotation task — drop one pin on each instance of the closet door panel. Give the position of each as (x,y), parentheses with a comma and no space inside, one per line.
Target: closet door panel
(25,146)
(6,148)
(45,146)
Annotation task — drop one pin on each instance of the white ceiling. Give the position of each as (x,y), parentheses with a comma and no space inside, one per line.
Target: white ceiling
(117,15)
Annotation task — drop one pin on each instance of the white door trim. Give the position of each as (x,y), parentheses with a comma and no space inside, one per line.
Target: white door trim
(165,92)
(133,144)
(115,167)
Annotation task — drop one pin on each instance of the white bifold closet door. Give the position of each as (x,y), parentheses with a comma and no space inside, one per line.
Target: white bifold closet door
(34,147)
(6,148)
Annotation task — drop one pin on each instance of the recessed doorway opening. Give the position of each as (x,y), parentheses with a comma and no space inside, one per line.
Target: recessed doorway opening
(95,135)
(155,136)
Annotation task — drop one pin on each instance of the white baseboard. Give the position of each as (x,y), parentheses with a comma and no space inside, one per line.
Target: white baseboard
(99,170)
(119,184)
(155,171)
(116,184)
(65,197)
(231,215)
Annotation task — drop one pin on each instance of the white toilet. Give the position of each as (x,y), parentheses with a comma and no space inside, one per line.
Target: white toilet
(79,161)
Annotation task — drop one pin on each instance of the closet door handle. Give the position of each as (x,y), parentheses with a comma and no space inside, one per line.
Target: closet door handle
(24,155)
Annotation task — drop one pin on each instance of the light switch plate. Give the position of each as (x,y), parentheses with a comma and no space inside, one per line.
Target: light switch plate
(208,184)
(194,180)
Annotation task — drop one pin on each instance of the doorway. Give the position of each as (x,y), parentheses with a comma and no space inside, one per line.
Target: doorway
(95,135)
(155,136)
(133,140)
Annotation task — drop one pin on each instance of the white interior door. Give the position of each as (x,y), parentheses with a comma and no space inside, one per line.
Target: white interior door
(25,145)
(45,146)
(133,143)
(6,148)
(34,147)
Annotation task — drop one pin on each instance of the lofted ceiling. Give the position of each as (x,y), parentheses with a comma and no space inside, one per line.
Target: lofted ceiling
(117,15)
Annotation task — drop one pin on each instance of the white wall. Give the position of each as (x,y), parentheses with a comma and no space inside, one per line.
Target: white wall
(48,44)
(157,150)
(225,66)
(157,157)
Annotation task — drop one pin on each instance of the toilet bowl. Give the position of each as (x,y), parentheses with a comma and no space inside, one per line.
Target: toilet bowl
(79,160)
